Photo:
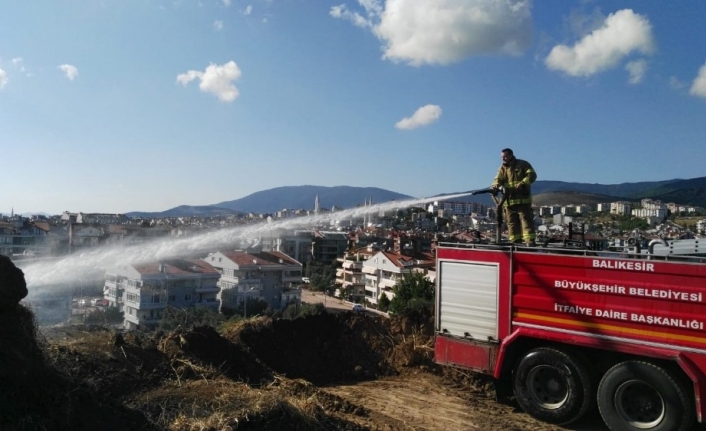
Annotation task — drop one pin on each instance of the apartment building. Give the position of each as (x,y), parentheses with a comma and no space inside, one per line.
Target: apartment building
(455,207)
(143,291)
(350,274)
(652,210)
(382,271)
(549,210)
(620,208)
(296,244)
(19,236)
(270,276)
(328,245)
(603,207)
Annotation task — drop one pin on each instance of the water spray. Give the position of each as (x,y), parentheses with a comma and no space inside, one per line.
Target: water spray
(73,268)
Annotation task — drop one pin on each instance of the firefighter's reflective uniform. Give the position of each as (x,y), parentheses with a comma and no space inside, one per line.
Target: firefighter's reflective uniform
(516,177)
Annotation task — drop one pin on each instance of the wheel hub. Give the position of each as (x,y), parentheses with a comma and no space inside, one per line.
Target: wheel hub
(547,387)
(639,404)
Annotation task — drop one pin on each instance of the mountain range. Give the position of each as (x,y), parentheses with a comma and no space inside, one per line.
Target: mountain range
(684,192)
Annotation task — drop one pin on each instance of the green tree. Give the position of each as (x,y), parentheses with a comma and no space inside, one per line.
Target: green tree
(345,292)
(107,316)
(256,306)
(631,223)
(321,275)
(414,292)
(196,316)
(384,302)
(300,310)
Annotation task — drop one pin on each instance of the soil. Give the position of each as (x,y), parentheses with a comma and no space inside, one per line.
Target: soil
(343,371)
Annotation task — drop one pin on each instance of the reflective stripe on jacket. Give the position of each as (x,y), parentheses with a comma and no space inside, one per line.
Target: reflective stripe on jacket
(518,172)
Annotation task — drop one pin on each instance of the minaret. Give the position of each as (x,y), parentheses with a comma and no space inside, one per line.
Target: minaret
(367,213)
(316,204)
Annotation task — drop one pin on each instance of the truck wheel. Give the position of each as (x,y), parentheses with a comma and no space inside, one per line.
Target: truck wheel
(553,386)
(637,395)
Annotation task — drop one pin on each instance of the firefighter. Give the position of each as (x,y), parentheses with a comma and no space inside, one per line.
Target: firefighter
(515,176)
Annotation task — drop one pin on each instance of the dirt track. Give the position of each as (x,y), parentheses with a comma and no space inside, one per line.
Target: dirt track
(421,402)
(426,402)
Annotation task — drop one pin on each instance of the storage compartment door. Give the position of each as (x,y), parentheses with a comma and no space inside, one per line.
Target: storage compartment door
(468,300)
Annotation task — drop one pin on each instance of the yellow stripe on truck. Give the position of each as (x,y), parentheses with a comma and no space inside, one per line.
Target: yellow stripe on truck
(607,327)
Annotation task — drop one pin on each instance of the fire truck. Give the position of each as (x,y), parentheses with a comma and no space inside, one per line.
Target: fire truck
(568,329)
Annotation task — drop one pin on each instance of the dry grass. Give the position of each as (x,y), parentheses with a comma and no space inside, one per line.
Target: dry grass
(225,405)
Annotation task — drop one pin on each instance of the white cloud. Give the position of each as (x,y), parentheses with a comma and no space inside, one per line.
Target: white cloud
(342,12)
(621,34)
(248,10)
(227,3)
(637,70)
(423,116)
(443,31)
(676,83)
(218,25)
(698,88)
(215,79)
(69,70)
(3,79)
(19,63)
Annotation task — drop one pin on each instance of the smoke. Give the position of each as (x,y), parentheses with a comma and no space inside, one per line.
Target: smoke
(71,270)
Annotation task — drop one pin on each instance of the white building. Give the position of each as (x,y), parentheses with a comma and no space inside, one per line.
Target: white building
(382,271)
(620,208)
(296,244)
(270,276)
(654,213)
(143,291)
(455,207)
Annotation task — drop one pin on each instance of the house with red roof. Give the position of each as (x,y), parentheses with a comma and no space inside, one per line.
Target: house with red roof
(385,268)
(271,276)
(142,291)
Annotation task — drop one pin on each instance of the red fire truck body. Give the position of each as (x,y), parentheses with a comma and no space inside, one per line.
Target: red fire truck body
(569,329)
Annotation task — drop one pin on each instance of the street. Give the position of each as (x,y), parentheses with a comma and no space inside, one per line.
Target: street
(331,303)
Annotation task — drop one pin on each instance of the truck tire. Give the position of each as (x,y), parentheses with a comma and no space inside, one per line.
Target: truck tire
(635,395)
(553,385)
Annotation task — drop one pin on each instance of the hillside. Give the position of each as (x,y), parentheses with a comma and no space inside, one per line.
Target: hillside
(575,198)
(186,211)
(684,192)
(623,189)
(303,197)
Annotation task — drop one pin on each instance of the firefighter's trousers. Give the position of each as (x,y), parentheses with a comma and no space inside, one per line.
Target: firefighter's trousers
(520,223)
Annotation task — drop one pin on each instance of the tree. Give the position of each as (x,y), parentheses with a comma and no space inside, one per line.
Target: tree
(321,276)
(414,292)
(256,306)
(384,302)
(108,316)
(197,316)
(630,223)
(300,310)
(345,292)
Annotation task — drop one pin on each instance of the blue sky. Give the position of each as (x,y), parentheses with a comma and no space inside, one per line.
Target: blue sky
(142,105)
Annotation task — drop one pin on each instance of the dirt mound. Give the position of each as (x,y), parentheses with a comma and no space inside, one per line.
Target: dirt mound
(326,348)
(35,396)
(191,350)
(256,374)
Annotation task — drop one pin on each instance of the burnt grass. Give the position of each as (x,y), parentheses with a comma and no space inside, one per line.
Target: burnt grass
(261,373)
